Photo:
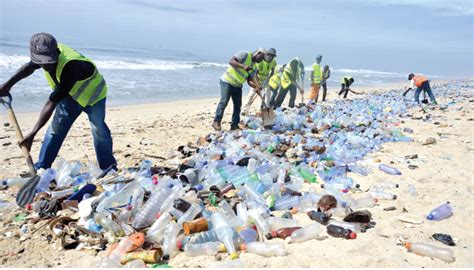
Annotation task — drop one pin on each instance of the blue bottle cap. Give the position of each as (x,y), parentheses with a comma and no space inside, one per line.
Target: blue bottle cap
(429,217)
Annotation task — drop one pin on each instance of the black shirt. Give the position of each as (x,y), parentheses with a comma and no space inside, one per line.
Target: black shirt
(73,71)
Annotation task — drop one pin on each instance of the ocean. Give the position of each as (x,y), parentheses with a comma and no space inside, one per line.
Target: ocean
(142,75)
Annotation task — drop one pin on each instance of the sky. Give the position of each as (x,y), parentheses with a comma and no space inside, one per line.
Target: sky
(431,37)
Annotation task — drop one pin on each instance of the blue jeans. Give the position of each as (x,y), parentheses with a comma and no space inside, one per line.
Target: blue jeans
(66,113)
(229,91)
(424,86)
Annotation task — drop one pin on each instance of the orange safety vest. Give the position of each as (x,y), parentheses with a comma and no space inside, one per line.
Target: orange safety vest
(419,80)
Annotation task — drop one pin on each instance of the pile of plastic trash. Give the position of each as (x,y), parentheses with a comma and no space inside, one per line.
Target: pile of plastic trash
(234,191)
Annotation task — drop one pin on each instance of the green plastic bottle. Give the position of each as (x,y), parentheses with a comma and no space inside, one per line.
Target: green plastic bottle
(308,176)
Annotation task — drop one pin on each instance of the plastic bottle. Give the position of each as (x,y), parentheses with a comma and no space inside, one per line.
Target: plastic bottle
(337,231)
(147,256)
(266,249)
(339,211)
(262,225)
(65,174)
(306,233)
(135,264)
(242,213)
(430,251)
(46,178)
(355,227)
(286,202)
(389,170)
(64,192)
(441,212)
(208,236)
(232,218)
(308,176)
(113,260)
(365,202)
(277,223)
(283,233)
(412,191)
(13,182)
(251,166)
(156,232)
(147,214)
(209,248)
(384,185)
(190,214)
(252,194)
(319,217)
(132,193)
(248,235)
(194,226)
(169,243)
(224,233)
(380,195)
(108,224)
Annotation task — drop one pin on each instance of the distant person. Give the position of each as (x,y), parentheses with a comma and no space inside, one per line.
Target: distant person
(265,70)
(242,68)
(346,83)
(77,87)
(292,74)
(422,84)
(325,77)
(315,78)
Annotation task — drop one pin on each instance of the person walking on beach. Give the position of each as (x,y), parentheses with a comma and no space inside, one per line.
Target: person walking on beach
(346,83)
(265,70)
(293,73)
(241,68)
(77,87)
(422,84)
(325,77)
(315,79)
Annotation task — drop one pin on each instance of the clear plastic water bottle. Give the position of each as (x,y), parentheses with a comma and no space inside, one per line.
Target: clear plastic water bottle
(224,233)
(306,233)
(389,170)
(430,251)
(190,214)
(108,224)
(381,195)
(209,248)
(441,212)
(287,202)
(277,223)
(147,214)
(262,225)
(170,241)
(266,249)
(46,178)
(13,182)
(365,202)
(156,232)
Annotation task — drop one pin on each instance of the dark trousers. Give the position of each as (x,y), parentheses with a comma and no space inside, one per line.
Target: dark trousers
(325,89)
(229,91)
(344,89)
(282,94)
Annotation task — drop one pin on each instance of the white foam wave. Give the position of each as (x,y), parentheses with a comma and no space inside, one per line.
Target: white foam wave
(15,61)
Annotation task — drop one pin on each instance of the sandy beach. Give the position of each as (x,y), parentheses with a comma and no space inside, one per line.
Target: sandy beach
(444,173)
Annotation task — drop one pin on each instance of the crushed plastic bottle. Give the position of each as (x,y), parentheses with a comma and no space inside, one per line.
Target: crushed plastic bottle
(209,248)
(306,233)
(441,212)
(389,170)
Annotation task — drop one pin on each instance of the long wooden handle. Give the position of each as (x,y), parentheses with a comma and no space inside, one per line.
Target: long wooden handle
(19,137)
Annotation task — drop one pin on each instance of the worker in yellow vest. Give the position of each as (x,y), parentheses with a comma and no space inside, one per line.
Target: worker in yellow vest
(274,84)
(315,79)
(241,68)
(422,84)
(346,83)
(325,77)
(265,70)
(77,87)
(291,80)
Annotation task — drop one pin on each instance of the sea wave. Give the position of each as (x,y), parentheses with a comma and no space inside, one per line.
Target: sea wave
(15,61)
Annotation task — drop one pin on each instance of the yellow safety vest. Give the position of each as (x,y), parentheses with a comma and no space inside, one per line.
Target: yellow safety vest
(264,68)
(343,80)
(288,72)
(237,76)
(275,81)
(317,73)
(86,92)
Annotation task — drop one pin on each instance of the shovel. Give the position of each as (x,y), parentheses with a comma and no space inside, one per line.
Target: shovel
(27,192)
(268,115)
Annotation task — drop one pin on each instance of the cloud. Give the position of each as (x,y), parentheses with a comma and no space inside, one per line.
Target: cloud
(445,7)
